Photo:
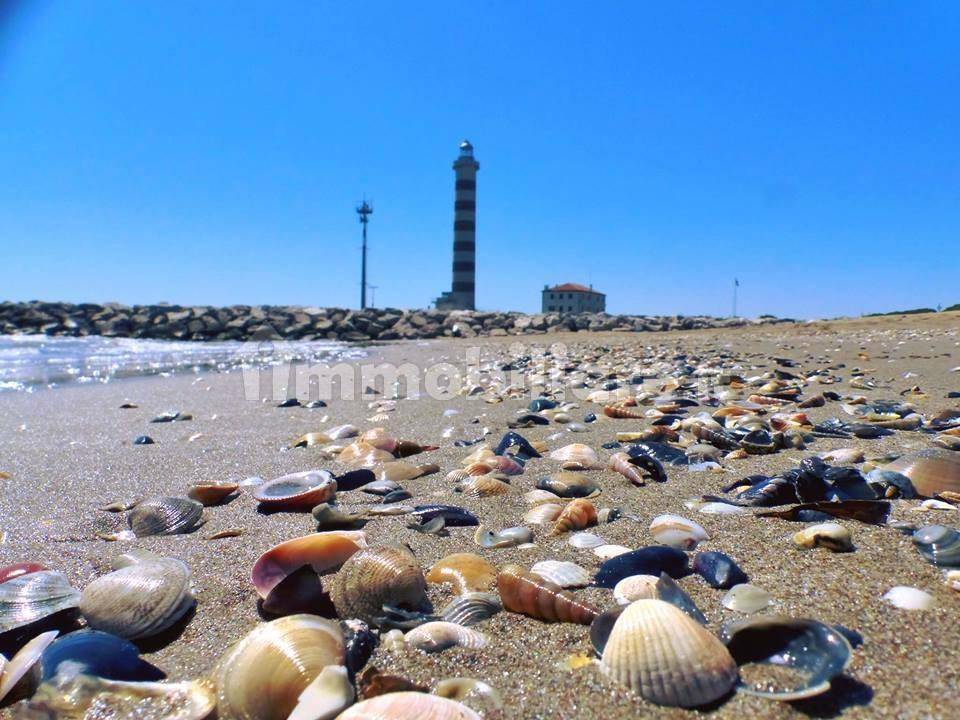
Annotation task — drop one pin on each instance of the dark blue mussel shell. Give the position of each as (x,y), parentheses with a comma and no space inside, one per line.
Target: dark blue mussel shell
(651,560)
(452,515)
(97,653)
(718,569)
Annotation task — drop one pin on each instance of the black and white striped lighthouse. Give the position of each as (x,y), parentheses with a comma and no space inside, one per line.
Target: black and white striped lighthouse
(462,294)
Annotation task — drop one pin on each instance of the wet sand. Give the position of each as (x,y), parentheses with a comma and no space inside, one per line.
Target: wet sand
(69,451)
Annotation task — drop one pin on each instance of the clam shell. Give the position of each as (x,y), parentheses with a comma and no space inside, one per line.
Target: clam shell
(666,657)
(577,515)
(297,491)
(439,635)
(139,600)
(404,705)
(212,493)
(483,487)
(542,514)
(908,598)
(322,551)
(453,516)
(677,532)
(472,607)
(585,540)
(938,544)
(635,587)
(719,570)
(569,485)
(508,537)
(378,576)
(746,598)
(529,594)
(833,536)
(17,569)
(605,552)
(576,456)
(932,471)
(14,670)
(164,516)
(24,599)
(326,697)
(96,653)
(467,572)
(562,573)
(263,676)
(651,560)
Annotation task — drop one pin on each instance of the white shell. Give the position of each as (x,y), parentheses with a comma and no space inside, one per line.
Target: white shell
(326,697)
(635,587)
(677,532)
(20,664)
(605,552)
(542,514)
(400,705)
(665,656)
(747,598)
(535,497)
(585,540)
(952,580)
(342,431)
(719,508)
(565,574)
(436,636)
(908,598)
(833,536)
(936,505)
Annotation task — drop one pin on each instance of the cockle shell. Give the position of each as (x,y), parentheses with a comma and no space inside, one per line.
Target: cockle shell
(538,497)
(263,675)
(297,491)
(164,516)
(139,600)
(24,599)
(322,551)
(831,535)
(932,471)
(635,587)
(467,572)
(610,550)
(666,657)
(378,576)
(562,573)
(577,515)
(211,493)
(435,636)
(576,456)
(543,514)
(677,532)
(472,607)
(529,594)
(408,706)
(484,486)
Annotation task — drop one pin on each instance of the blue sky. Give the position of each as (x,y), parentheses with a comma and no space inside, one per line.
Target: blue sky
(212,152)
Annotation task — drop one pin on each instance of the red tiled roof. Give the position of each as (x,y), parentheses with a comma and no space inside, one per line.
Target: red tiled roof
(573,287)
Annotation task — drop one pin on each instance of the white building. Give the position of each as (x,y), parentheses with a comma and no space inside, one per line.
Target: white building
(573,298)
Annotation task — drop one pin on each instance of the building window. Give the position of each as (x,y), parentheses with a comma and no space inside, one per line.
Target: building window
(550,308)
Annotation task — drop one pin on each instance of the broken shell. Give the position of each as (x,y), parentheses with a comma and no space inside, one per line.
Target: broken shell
(321,551)
(747,598)
(562,573)
(932,471)
(139,600)
(666,657)
(27,598)
(542,514)
(310,439)
(678,532)
(467,572)
(452,515)
(508,537)
(808,648)
(18,667)
(833,536)
(635,587)
(529,594)
(164,516)
(212,493)
(461,688)
(297,491)
(579,514)
(471,608)
(263,676)
(436,636)
(378,576)
(908,598)
(403,705)
(326,697)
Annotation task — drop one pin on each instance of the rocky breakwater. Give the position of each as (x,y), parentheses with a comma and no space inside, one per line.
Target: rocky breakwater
(263,322)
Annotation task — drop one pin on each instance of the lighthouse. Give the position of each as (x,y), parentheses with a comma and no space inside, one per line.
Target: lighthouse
(462,292)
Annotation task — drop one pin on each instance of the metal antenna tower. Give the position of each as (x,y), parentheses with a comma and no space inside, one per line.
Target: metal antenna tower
(364,211)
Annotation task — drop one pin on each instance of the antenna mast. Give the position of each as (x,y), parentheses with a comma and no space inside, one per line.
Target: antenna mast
(364,211)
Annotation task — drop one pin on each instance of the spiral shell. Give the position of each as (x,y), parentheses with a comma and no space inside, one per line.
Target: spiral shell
(562,573)
(622,412)
(620,462)
(529,594)
(262,676)
(467,572)
(579,514)
(436,636)
(164,516)
(378,576)
(666,657)
(138,600)
(542,514)
(322,551)
(404,705)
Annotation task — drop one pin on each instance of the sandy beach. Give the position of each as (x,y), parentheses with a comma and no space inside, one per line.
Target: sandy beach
(70,451)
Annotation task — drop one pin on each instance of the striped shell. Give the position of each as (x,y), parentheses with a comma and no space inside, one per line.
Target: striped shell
(562,573)
(579,514)
(472,607)
(29,597)
(666,657)
(378,576)
(529,594)
(620,462)
(635,587)
(408,706)
(484,486)
(457,475)
(164,516)
(538,497)
(543,514)
(586,541)
(467,572)
(576,456)
(623,413)
(439,635)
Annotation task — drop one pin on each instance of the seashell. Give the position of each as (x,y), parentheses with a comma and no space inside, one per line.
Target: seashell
(677,532)
(651,560)
(471,608)
(746,598)
(321,551)
(430,527)
(27,598)
(93,652)
(436,636)
(666,657)
(406,448)
(380,487)
(843,456)
(310,439)
(226,533)
(119,506)
(355,479)
(341,432)
(466,572)
(569,485)
(720,508)
(542,514)
(330,518)
(211,493)
(19,569)
(361,641)
(84,696)
(833,536)
(263,676)
(953,580)
(329,694)
(719,570)
(297,491)
(461,688)
(579,514)
(938,544)
(397,705)
(621,412)
(396,471)
(804,655)
(635,587)
(138,600)
(605,552)
(457,475)
(15,670)
(164,516)
(586,541)
(372,683)
(378,576)
(670,591)
(932,471)
(508,537)
(452,515)
(609,515)
(529,594)
(562,573)
(576,456)
(536,497)
(299,592)
(363,454)
(504,464)
(388,510)
(908,598)
(935,505)
(483,487)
